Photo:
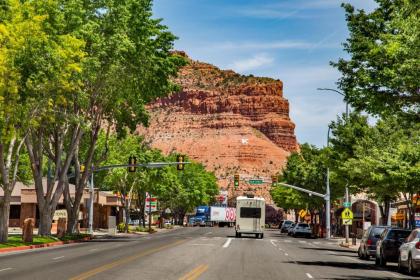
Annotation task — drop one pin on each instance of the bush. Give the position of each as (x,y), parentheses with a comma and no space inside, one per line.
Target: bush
(141,229)
(121,227)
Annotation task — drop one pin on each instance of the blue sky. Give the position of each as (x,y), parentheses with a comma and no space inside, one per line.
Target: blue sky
(290,40)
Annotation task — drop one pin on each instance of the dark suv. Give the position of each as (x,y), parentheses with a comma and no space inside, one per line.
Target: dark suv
(387,248)
(367,246)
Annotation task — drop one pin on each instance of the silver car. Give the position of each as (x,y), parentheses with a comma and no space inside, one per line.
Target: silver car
(410,253)
(302,229)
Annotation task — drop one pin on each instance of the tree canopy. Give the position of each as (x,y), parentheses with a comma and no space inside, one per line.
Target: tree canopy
(381,75)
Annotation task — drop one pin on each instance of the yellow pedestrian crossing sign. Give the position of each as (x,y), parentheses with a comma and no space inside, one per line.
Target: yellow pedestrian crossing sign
(347,214)
(302,213)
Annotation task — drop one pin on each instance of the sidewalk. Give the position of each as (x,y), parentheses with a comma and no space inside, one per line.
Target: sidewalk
(341,241)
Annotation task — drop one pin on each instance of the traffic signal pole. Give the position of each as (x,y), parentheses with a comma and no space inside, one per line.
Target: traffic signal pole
(150,165)
(326,197)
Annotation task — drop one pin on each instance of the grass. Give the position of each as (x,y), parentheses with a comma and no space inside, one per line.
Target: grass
(16,240)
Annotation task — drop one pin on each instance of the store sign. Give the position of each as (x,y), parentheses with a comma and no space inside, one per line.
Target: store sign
(417,220)
(60,214)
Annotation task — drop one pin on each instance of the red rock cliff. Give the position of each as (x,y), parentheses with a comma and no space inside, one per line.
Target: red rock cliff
(230,123)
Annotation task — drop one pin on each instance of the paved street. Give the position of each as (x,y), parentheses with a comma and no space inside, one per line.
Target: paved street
(195,253)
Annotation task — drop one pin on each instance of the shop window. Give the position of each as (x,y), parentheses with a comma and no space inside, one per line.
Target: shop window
(14,212)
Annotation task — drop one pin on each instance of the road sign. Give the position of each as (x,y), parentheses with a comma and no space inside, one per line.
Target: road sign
(302,213)
(347,222)
(256,181)
(347,204)
(347,214)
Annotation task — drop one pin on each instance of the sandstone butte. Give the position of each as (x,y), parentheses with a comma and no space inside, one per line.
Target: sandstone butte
(233,124)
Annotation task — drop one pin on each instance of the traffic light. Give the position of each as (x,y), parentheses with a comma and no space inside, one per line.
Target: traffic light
(180,160)
(132,160)
(236,180)
(274,179)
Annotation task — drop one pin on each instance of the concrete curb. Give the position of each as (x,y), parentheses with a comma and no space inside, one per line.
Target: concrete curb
(52,244)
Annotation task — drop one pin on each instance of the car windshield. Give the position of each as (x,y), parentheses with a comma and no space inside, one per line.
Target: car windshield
(398,234)
(376,231)
(303,225)
(287,223)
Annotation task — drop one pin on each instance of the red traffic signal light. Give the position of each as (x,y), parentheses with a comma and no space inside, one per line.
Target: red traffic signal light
(274,179)
(180,160)
(132,161)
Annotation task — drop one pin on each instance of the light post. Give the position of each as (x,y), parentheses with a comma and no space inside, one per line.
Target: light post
(328,138)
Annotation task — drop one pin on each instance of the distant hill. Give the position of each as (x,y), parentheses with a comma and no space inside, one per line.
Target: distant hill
(231,123)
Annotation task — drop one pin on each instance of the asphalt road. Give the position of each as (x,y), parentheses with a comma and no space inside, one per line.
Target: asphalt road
(195,253)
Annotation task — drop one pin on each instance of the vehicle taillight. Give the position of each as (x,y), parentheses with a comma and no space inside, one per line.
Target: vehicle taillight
(418,245)
(369,242)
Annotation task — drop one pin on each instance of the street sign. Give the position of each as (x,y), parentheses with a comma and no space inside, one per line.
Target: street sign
(302,213)
(347,214)
(347,204)
(347,222)
(255,181)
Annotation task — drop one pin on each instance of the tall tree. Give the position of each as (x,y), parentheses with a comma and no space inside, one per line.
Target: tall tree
(128,63)
(381,75)
(21,30)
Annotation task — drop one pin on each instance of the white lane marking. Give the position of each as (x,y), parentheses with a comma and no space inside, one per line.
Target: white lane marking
(309,276)
(57,258)
(227,243)
(286,254)
(273,243)
(287,241)
(209,232)
(4,269)
(317,242)
(331,252)
(93,249)
(302,241)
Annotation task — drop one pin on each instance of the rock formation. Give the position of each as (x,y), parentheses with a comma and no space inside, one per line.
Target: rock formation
(233,124)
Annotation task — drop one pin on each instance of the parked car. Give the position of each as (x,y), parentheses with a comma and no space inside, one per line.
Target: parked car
(285,226)
(302,229)
(367,246)
(410,253)
(290,229)
(387,247)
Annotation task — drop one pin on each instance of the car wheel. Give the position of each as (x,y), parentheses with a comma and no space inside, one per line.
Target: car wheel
(410,266)
(382,261)
(399,267)
(377,261)
(262,235)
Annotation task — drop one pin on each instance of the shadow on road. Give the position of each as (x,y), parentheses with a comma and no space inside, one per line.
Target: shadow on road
(336,264)
(332,250)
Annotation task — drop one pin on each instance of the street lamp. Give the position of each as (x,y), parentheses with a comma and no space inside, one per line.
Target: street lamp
(340,93)
(328,142)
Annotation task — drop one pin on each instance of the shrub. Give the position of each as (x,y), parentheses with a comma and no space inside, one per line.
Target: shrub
(121,227)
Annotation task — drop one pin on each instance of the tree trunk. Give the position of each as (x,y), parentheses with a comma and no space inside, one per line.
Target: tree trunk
(4,217)
(72,221)
(45,222)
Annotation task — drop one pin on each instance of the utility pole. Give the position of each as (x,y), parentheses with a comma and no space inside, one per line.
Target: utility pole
(347,226)
(91,190)
(328,195)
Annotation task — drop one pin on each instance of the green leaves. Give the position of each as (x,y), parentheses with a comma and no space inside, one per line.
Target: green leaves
(381,75)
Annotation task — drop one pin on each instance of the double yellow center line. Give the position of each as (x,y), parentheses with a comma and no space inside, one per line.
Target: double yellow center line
(111,265)
(195,273)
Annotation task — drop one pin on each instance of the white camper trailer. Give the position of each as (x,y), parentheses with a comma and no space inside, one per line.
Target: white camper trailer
(250,216)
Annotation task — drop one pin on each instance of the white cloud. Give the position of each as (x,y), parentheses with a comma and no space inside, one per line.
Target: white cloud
(286,44)
(295,8)
(252,63)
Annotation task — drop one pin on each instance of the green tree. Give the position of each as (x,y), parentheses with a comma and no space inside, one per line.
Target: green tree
(386,163)
(381,75)
(128,63)
(20,29)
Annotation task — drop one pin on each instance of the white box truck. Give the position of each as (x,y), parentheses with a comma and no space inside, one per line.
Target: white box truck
(223,216)
(250,216)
